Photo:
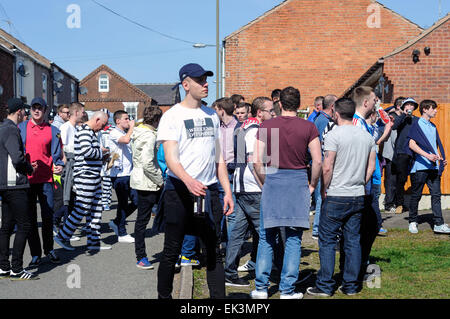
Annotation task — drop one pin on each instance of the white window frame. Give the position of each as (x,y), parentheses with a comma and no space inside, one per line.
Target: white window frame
(103,84)
(72,91)
(20,84)
(131,108)
(44,86)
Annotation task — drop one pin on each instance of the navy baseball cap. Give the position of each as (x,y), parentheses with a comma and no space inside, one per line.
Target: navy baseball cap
(40,101)
(15,104)
(192,70)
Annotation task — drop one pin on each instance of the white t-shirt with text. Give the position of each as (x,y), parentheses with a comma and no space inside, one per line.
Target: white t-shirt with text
(197,132)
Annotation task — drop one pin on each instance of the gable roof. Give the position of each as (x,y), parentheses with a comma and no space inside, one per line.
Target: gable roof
(162,93)
(104,67)
(411,42)
(276,8)
(376,70)
(10,42)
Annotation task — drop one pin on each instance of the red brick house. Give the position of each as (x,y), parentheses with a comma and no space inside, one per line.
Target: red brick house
(6,80)
(107,89)
(398,73)
(318,46)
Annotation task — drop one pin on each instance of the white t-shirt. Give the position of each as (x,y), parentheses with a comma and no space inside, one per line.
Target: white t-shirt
(124,164)
(196,131)
(68,136)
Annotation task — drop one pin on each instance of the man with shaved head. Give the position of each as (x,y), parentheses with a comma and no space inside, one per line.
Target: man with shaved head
(87,184)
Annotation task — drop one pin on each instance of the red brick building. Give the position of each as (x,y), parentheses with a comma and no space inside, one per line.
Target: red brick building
(318,46)
(107,89)
(6,80)
(426,77)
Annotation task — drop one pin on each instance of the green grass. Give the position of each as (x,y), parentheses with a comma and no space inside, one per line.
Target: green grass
(412,266)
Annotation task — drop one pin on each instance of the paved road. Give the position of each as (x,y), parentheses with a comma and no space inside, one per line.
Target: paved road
(109,274)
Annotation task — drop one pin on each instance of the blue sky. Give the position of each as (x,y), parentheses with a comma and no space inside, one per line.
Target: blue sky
(142,56)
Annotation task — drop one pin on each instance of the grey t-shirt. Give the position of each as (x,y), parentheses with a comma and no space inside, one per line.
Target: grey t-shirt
(352,146)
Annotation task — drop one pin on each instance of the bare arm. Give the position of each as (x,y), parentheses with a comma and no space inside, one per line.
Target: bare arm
(127,137)
(416,149)
(370,166)
(386,133)
(316,167)
(222,175)
(258,163)
(327,170)
(171,153)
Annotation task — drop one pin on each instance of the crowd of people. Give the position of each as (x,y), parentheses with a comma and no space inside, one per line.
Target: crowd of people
(216,176)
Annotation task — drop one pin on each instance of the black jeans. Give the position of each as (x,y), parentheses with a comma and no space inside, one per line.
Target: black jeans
(180,220)
(43,192)
(146,201)
(14,212)
(433,181)
(401,167)
(389,185)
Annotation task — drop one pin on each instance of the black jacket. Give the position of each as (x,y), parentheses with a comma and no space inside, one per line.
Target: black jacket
(14,167)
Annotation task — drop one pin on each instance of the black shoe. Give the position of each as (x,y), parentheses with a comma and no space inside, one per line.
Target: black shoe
(4,274)
(314,291)
(35,262)
(23,275)
(53,257)
(237,282)
(345,292)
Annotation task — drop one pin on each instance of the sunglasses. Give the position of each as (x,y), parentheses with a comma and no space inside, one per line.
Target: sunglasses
(37,107)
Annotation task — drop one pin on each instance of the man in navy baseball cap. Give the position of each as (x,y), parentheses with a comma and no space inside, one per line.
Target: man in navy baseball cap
(192,70)
(39,101)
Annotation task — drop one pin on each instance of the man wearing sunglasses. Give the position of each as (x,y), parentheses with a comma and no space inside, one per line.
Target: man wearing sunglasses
(43,148)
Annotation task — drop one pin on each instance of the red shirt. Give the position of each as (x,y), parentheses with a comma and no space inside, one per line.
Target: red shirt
(38,148)
(287,139)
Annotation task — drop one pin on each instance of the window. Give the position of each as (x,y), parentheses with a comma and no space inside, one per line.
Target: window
(132,109)
(72,91)
(44,86)
(103,83)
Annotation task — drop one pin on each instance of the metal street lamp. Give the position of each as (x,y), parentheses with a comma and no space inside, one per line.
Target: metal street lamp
(203,45)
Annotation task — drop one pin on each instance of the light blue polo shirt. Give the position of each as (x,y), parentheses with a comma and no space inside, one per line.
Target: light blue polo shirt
(422,163)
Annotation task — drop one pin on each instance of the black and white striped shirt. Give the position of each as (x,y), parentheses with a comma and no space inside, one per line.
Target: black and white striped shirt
(87,151)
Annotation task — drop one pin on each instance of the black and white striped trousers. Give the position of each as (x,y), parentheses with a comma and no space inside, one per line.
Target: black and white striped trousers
(106,190)
(88,203)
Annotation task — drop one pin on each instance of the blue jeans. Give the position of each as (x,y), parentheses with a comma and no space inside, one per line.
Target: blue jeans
(246,213)
(375,193)
(124,209)
(318,199)
(340,213)
(189,247)
(291,260)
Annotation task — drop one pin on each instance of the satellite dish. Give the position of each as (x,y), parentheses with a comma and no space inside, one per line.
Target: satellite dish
(83,90)
(57,84)
(22,71)
(58,76)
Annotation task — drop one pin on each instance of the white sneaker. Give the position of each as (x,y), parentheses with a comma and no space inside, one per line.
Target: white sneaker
(413,228)
(255,294)
(248,266)
(101,247)
(295,295)
(126,239)
(75,238)
(442,229)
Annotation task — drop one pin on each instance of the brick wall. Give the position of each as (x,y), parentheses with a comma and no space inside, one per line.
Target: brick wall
(6,81)
(119,91)
(318,46)
(430,77)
